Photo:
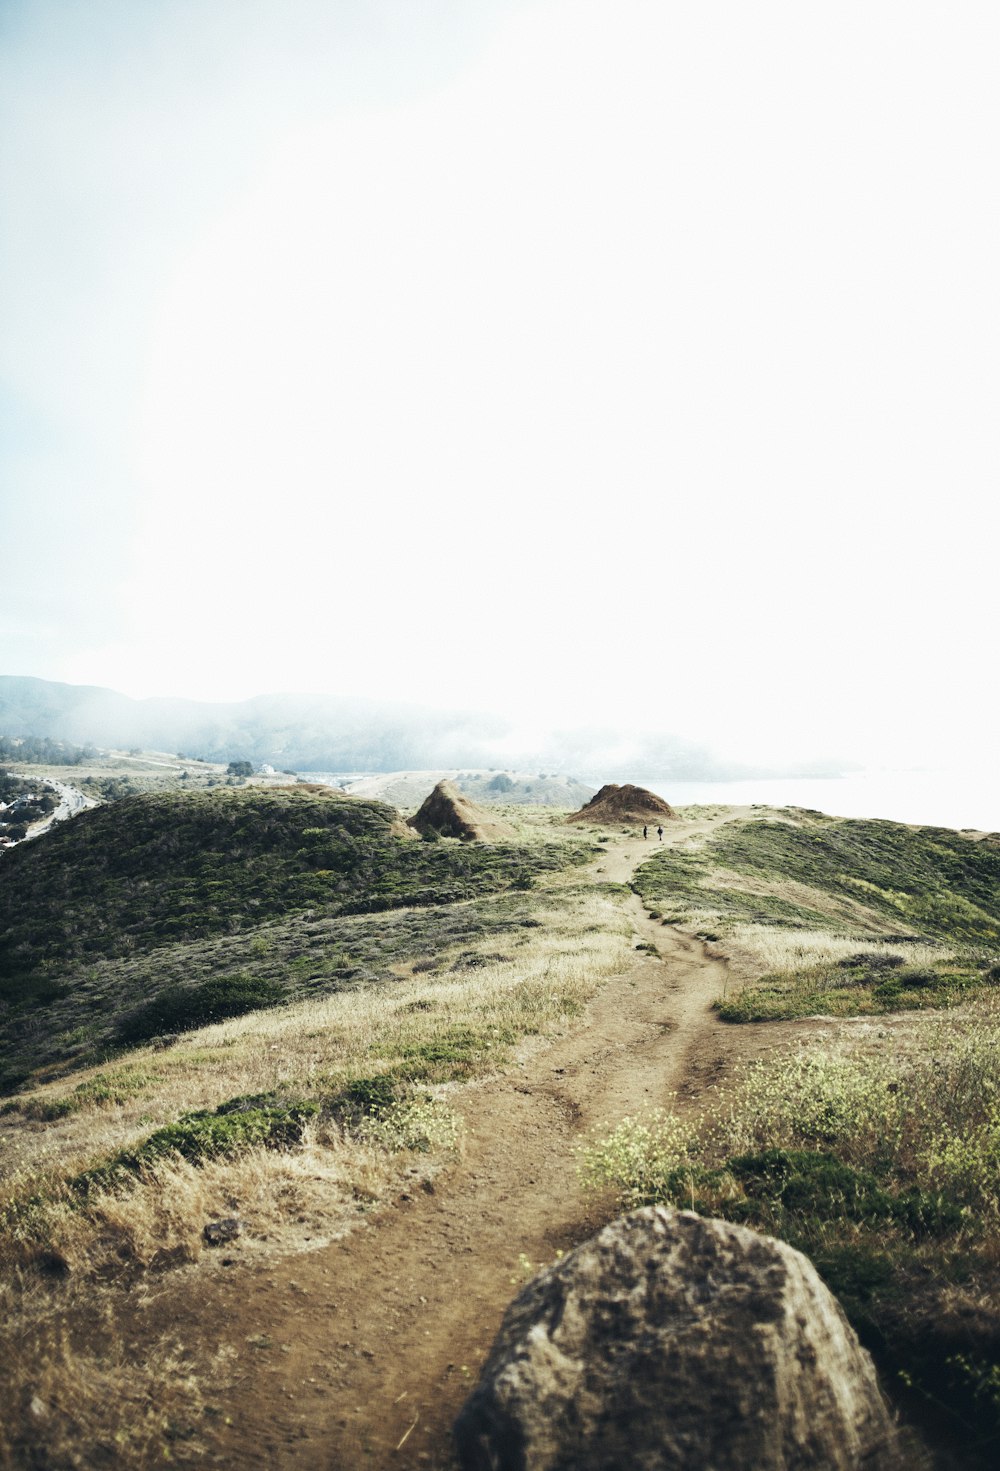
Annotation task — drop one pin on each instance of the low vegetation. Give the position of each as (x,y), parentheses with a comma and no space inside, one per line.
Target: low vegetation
(877,1153)
(296,1118)
(839,917)
(261,1005)
(862,984)
(210,904)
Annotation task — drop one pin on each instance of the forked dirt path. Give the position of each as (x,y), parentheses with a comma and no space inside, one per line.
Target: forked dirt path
(360,1355)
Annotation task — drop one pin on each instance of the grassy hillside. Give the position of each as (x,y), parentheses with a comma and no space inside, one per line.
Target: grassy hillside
(163,912)
(299,1119)
(873,1148)
(383,972)
(837,916)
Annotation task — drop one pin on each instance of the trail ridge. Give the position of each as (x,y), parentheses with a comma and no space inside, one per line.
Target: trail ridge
(380,1336)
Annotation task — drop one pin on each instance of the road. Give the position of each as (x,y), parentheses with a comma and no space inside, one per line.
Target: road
(71,802)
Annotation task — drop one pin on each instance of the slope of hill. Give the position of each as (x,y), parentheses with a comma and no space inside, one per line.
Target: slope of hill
(153,872)
(581,1014)
(838,916)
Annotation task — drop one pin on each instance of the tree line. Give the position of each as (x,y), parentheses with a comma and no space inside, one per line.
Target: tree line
(42,751)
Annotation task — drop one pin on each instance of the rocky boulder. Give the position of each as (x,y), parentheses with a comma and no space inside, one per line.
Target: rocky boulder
(670,1342)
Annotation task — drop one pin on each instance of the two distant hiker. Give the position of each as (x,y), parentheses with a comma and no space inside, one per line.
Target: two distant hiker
(659,833)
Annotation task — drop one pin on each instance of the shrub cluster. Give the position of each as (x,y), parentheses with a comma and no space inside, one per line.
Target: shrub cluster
(884,1169)
(155,868)
(183,1008)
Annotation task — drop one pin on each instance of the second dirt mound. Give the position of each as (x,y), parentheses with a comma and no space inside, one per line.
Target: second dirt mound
(614,804)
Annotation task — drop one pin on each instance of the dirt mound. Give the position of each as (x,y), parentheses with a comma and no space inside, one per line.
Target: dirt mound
(623,804)
(451,815)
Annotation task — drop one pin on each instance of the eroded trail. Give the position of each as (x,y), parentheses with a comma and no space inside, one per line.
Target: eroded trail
(369,1347)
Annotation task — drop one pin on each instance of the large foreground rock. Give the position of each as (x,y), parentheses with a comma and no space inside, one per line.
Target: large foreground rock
(670,1341)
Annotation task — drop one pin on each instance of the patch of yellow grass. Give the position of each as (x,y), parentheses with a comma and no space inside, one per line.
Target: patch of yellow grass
(311,1047)
(82,1401)
(753,949)
(69,1398)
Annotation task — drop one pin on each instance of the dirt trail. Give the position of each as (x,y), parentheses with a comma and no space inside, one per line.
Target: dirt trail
(368,1347)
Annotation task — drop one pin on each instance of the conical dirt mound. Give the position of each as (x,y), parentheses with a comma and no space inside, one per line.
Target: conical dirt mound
(452,815)
(615,804)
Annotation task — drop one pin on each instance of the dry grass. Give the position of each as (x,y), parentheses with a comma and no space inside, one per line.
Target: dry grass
(753,949)
(91,1250)
(74,1407)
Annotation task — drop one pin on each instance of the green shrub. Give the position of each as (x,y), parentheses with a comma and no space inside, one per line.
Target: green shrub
(48,1110)
(361,1097)
(183,1008)
(235,1126)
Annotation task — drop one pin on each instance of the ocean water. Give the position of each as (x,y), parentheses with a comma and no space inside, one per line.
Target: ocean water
(962,799)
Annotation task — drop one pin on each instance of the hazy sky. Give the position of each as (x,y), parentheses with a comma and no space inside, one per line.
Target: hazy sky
(617,361)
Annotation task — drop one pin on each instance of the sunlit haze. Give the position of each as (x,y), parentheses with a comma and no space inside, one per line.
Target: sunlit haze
(631,364)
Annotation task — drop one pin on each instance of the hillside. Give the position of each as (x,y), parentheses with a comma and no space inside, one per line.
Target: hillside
(151,873)
(447,1068)
(808,869)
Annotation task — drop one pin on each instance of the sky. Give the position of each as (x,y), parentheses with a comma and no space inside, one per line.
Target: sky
(613,362)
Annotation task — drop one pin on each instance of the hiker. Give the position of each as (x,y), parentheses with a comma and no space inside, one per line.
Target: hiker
(644,831)
(659,833)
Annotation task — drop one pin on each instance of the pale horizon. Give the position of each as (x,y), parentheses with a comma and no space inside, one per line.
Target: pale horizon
(587,364)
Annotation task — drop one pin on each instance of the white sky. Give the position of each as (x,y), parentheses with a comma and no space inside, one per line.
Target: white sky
(601,361)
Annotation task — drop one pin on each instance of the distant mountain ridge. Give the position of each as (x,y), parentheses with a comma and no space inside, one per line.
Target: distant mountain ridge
(340,733)
(304,732)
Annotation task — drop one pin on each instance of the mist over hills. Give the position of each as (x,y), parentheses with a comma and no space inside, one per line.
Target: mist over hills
(340,733)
